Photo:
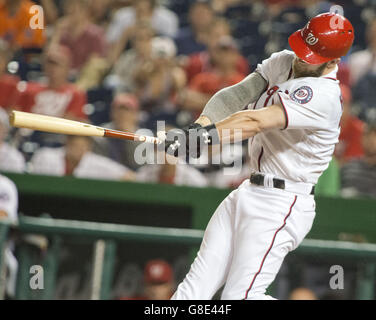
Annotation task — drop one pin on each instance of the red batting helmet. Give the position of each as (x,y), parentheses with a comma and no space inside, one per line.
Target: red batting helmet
(325,37)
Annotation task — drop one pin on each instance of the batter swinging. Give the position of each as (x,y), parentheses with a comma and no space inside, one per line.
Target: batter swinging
(293,126)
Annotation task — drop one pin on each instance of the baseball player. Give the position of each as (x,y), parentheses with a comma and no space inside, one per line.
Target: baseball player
(292,123)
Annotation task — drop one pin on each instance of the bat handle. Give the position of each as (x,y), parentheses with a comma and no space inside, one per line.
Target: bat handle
(130,136)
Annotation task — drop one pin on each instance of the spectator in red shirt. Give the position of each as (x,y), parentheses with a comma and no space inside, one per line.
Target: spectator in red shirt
(57,97)
(79,34)
(350,138)
(205,61)
(343,74)
(225,73)
(8,82)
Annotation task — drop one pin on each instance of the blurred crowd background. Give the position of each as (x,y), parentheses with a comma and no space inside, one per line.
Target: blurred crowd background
(127,64)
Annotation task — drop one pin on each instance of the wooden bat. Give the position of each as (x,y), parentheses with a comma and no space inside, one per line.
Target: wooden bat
(44,123)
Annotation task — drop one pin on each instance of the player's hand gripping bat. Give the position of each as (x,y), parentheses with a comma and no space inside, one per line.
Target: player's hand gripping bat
(58,125)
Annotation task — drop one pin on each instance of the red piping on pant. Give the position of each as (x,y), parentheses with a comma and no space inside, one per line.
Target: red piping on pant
(270,247)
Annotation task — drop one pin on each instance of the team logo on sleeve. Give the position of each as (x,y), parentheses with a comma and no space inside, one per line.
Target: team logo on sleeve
(302,95)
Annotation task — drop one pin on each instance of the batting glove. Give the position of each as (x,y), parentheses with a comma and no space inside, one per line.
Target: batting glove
(189,141)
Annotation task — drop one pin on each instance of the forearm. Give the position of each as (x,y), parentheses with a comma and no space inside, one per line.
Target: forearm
(238,126)
(116,48)
(233,99)
(246,124)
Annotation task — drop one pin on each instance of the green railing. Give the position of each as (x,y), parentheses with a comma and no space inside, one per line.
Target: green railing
(68,198)
(106,236)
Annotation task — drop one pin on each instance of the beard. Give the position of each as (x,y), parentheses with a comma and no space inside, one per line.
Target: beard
(300,70)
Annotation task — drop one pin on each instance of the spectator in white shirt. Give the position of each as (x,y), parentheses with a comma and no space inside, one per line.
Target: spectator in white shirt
(364,61)
(76,159)
(163,21)
(11,159)
(181,174)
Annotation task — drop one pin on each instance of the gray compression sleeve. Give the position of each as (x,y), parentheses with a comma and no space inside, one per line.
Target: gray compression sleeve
(232,99)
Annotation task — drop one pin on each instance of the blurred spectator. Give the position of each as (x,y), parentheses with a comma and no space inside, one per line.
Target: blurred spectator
(10,158)
(57,97)
(158,280)
(221,6)
(225,73)
(171,172)
(363,76)
(77,159)
(226,166)
(358,176)
(159,79)
(363,62)
(343,74)
(194,38)
(50,10)
(15,18)
(302,294)
(133,58)
(9,210)
(275,7)
(350,138)
(125,115)
(75,31)
(205,61)
(99,12)
(8,82)
(364,97)
(163,21)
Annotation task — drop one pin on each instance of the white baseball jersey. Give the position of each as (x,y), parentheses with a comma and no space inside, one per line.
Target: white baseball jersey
(312,105)
(11,159)
(51,161)
(256,226)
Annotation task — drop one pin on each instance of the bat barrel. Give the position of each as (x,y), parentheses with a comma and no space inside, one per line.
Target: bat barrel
(53,124)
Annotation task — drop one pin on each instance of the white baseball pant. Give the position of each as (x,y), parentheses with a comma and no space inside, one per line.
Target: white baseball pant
(245,243)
